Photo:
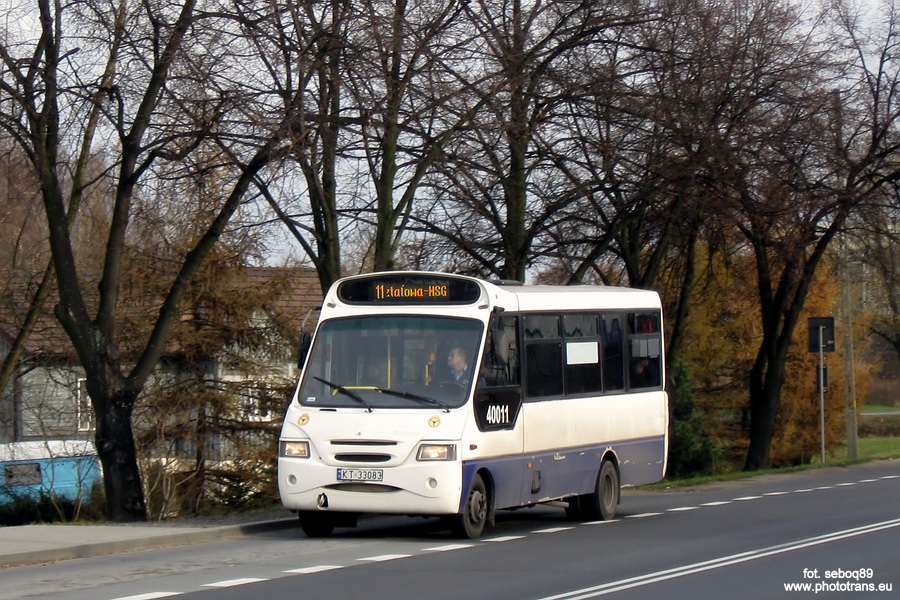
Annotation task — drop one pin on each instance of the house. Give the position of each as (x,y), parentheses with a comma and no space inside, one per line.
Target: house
(236,340)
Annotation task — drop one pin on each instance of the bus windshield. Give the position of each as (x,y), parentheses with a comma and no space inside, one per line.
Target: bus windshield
(396,361)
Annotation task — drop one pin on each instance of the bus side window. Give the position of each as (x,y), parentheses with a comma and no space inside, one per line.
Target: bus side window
(583,367)
(543,356)
(644,351)
(500,366)
(613,359)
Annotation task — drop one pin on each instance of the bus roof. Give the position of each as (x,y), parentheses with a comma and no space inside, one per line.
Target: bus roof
(571,297)
(506,295)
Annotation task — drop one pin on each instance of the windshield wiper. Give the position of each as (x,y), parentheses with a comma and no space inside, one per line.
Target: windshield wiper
(412,396)
(345,391)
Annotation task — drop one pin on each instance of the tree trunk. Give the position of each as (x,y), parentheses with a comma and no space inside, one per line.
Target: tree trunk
(118,455)
(764,405)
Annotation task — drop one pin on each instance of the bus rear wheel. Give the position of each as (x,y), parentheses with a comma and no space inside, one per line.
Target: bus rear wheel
(470,523)
(600,504)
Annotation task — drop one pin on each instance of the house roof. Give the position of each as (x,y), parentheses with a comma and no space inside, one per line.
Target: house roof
(286,295)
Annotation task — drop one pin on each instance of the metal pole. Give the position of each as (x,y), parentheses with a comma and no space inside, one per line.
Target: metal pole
(849,363)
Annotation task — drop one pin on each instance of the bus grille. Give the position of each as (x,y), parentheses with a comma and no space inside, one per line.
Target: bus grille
(366,488)
(363,443)
(363,458)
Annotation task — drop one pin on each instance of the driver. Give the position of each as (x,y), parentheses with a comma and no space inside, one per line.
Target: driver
(459,364)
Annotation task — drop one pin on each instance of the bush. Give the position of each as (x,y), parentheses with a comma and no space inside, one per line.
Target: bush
(25,509)
(879,426)
(691,452)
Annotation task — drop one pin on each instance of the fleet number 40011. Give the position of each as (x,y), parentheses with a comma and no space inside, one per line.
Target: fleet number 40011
(497,414)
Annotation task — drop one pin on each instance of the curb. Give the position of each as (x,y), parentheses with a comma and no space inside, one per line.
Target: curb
(147,542)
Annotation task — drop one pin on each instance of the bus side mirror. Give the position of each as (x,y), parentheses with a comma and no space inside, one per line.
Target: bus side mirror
(305,343)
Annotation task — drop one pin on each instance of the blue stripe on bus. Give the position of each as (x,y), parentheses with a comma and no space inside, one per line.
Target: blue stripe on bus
(563,472)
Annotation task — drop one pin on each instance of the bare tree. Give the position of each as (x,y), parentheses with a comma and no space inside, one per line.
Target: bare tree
(166,86)
(407,101)
(501,172)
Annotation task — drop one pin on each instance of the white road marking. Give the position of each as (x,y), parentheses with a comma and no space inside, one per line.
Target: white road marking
(233,582)
(315,569)
(384,557)
(447,548)
(150,596)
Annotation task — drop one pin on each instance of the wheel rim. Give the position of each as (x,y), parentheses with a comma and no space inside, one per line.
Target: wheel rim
(477,506)
(608,493)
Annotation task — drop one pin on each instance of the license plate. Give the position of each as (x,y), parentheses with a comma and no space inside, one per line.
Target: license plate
(360,475)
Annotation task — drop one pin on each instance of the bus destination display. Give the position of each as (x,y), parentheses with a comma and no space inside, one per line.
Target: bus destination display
(390,291)
(400,289)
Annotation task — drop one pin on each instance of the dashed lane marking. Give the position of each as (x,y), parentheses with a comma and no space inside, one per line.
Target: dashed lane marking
(313,569)
(234,582)
(150,596)
(553,529)
(384,557)
(447,548)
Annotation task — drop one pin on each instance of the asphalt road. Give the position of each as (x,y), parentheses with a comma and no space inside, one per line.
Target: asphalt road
(837,530)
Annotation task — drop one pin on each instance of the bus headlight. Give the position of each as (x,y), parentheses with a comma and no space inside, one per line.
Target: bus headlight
(437,452)
(293,449)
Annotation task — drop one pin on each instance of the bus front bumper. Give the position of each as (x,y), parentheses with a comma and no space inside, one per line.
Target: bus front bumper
(430,488)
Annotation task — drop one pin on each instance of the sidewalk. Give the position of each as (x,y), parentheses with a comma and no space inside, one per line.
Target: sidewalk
(33,544)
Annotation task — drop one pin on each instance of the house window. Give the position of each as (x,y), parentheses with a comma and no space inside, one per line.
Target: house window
(259,402)
(84,413)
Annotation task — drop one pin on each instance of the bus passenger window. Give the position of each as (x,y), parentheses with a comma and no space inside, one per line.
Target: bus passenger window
(580,325)
(542,327)
(613,359)
(500,365)
(644,351)
(543,356)
(543,369)
(644,372)
(582,367)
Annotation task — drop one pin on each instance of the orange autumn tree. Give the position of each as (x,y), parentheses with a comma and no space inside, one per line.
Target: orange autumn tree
(721,341)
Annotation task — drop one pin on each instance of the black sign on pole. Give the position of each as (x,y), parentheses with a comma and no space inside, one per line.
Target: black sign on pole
(826,326)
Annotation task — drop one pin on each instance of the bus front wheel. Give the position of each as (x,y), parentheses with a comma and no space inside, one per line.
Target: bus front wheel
(600,504)
(316,524)
(470,523)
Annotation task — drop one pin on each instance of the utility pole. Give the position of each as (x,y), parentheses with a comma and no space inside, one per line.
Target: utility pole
(849,363)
